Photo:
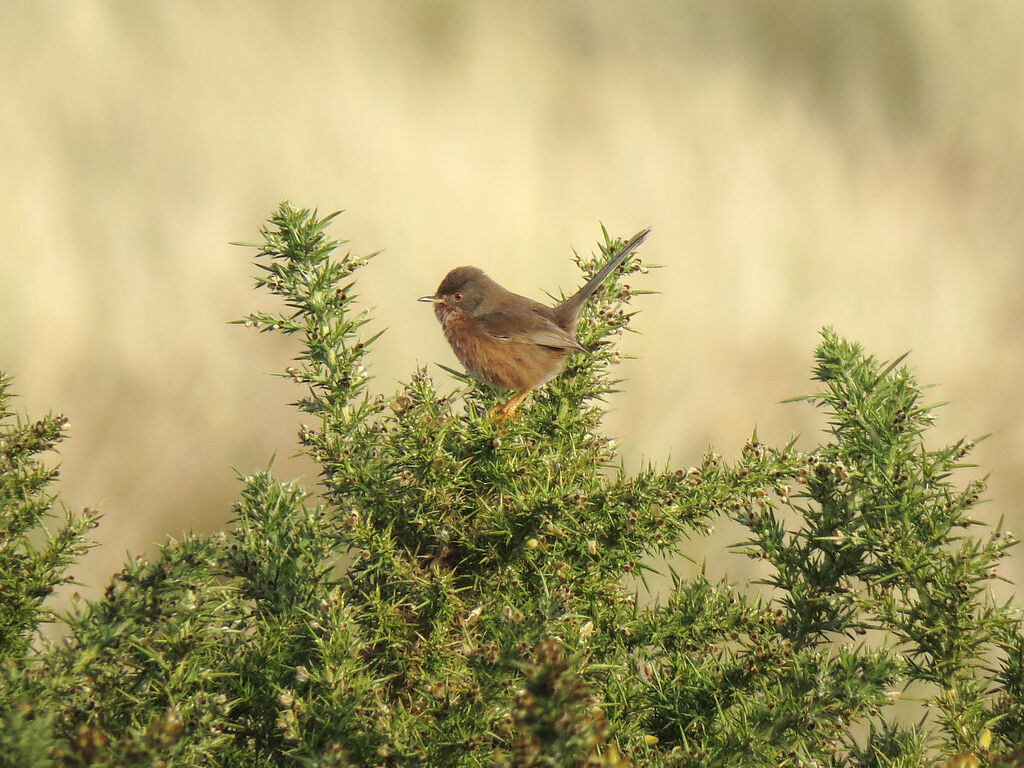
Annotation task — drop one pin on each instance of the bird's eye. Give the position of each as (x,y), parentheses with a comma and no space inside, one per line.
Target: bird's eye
(457,296)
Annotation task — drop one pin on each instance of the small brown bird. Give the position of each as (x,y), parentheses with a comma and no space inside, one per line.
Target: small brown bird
(507,340)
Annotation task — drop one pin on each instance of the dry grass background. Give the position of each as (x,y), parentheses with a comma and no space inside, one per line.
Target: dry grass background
(803,163)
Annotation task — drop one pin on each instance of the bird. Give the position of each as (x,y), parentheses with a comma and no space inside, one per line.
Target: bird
(509,341)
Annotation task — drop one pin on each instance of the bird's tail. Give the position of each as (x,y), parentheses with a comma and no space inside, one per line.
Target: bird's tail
(569,309)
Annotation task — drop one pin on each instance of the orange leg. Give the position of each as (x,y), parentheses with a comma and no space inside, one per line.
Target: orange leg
(508,410)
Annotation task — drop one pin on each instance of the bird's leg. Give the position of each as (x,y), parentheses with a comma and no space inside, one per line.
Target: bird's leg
(508,410)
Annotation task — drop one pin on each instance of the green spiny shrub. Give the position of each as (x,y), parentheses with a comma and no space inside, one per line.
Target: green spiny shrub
(458,593)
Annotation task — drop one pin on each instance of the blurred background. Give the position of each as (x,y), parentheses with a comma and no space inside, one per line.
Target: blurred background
(803,163)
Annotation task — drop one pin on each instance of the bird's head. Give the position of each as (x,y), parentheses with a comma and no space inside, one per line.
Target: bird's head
(462,291)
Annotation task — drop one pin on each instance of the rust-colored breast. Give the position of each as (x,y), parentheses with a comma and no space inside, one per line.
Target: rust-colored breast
(500,363)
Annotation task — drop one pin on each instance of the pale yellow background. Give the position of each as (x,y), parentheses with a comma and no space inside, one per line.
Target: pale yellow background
(802,163)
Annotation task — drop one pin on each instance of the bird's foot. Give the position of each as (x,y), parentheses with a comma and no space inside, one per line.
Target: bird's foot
(507,410)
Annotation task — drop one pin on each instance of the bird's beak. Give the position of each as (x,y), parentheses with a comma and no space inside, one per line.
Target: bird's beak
(431,299)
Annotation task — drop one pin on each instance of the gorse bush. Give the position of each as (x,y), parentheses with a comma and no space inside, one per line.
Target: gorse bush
(458,592)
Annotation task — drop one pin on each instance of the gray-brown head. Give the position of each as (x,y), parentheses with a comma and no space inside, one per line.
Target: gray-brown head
(463,290)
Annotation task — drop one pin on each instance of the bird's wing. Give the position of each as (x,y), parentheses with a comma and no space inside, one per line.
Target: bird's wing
(526,328)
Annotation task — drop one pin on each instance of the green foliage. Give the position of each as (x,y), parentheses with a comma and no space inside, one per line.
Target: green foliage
(32,562)
(459,595)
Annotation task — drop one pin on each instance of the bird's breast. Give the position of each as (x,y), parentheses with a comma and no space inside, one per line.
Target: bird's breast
(499,362)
